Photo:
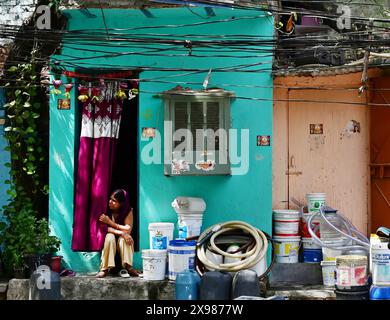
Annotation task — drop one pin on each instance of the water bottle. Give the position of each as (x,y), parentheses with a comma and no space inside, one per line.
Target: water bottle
(327,232)
(187,285)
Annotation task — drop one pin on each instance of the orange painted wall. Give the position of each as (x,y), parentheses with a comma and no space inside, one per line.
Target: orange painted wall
(380,154)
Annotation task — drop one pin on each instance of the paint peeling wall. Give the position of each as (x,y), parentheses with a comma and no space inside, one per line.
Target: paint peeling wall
(245,197)
(335,161)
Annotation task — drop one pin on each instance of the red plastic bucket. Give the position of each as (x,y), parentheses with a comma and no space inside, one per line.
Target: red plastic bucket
(304,228)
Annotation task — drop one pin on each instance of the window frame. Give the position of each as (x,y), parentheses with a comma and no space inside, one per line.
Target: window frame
(223,100)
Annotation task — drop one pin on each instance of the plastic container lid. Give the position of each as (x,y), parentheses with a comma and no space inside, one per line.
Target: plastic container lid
(161,225)
(188,205)
(154,253)
(351,260)
(285,211)
(287,238)
(316,194)
(182,243)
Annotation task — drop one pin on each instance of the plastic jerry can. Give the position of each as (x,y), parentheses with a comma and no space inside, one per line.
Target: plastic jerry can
(245,283)
(187,285)
(215,285)
(45,285)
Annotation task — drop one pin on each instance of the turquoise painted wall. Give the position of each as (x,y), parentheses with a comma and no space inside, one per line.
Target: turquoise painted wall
(239,197)
(4,156)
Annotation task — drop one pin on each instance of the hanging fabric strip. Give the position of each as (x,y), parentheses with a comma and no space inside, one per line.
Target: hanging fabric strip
(100,125)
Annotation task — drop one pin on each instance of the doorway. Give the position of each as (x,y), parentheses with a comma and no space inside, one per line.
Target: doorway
(125,169)
(125,165)
(380,156)
(315,151)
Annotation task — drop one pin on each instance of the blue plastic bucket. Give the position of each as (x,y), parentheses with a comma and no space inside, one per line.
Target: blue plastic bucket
(181,257)
(312,255)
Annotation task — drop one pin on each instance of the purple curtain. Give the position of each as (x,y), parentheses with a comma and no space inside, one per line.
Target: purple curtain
(101,117)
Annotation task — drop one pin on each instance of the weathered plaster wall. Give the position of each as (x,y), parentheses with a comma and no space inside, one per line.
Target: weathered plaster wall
(339,165)
(15,12)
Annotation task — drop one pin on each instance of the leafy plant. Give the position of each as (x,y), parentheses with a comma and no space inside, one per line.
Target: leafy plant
(17,236)
(23,234)
(46,243)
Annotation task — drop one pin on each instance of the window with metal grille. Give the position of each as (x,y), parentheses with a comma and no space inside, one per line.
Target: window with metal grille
(197,134)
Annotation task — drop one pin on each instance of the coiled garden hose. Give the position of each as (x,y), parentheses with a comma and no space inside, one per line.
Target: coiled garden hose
(254,251)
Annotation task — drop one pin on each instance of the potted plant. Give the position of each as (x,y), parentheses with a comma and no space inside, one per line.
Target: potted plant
(26,242)
(44,247)
(17,237)
(19,269)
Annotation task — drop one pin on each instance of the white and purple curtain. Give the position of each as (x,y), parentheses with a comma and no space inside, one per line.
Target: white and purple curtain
(101,117)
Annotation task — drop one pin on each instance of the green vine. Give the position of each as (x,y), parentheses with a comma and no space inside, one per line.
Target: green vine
(22,232)
(25,145)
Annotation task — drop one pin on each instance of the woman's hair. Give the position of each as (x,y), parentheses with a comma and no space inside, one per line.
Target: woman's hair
(122,197)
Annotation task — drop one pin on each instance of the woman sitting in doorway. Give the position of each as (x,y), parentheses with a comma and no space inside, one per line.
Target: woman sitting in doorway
(120,224)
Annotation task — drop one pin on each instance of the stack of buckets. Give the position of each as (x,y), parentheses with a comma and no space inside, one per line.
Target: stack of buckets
(290,227)
(286,235)
(169,257)
(322,255)
(181,253)
(154,260)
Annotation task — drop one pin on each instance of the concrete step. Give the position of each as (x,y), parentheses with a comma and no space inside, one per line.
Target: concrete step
(303,292)
(109,288)
(291,274)
(3,289)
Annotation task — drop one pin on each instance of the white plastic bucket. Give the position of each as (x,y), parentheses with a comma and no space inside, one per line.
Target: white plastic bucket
(330,254)
(315,201)
(190,224)
(160,233)
(286,251)
(380,263)
(181,256)
(286,223)
(154,264)
(308,243)
(328,273)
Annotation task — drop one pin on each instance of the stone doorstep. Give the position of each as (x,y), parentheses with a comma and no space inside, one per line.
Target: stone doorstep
(115,288)
(92,288)
(302,292)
